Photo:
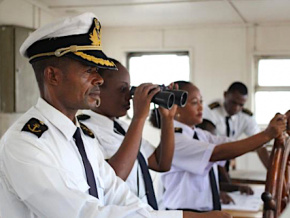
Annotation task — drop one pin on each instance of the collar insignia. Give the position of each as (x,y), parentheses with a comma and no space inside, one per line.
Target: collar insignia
(178,129)
(87,131)
(214,105)
(35,126)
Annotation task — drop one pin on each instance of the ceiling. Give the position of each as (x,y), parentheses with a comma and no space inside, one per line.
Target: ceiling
(116,13)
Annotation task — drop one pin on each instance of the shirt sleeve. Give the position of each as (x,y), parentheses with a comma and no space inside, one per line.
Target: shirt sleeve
(192,155)
(217,140)
(35,175)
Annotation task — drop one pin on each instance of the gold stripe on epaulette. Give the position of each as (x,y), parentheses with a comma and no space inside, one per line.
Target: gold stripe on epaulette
(247,111)
(86,130)
(178,129)
(214,105)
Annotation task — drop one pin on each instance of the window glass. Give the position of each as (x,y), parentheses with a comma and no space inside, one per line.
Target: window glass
(268,103)
(274,72)
(157,68)
(272,92)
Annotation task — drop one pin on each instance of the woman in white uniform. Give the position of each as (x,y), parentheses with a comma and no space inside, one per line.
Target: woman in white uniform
(191,182)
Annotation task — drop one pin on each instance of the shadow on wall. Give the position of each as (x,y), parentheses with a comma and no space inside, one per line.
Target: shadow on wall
(6,120)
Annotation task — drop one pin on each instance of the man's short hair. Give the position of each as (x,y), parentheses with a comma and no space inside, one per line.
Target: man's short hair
(238,87)
(39,67)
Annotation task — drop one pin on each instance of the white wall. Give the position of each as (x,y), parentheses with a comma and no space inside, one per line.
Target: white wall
(20,13)
(219,55)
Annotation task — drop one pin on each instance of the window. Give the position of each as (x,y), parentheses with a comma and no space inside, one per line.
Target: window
(273,88)
(157,68)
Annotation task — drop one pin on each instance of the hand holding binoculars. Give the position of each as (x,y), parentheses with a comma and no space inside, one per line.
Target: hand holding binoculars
(167,97)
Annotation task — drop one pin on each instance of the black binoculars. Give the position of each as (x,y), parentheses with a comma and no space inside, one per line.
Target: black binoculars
(167,97)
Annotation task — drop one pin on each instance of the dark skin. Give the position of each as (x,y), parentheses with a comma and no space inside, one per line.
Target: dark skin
(288,122)
(115,103)
(76,86)
(234,103)
(71,86)
(191,115)
(115,98)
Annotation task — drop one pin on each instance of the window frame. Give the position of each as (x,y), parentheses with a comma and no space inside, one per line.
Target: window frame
(269,88)
(259,88)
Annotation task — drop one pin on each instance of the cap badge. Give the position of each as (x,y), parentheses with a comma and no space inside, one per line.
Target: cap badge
(95,36)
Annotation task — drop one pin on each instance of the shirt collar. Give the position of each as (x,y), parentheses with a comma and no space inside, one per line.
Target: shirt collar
(225,114)
(57,118)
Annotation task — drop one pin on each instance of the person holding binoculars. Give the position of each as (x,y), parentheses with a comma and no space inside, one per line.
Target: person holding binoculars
(191,183)
(128,154)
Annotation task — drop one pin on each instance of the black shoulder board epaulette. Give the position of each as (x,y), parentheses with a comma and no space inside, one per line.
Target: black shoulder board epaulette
(178,129)
(35,126)
(247,111)
(214,105)
(83,117)
(87,131)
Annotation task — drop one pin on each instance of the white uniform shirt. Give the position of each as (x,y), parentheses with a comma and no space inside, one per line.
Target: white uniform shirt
(45,176)
(187,184)
(240,123)
(110,142)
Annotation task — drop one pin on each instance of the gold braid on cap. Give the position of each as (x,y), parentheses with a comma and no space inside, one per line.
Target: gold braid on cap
(95,59)
(75,49)
(62,51)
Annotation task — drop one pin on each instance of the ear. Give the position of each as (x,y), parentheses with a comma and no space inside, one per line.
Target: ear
(52,75)
(225,94)
(177,113)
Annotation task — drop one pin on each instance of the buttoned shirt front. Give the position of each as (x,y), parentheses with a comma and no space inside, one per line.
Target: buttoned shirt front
(187,184)
(240,123)
(110,142)
(45,177)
